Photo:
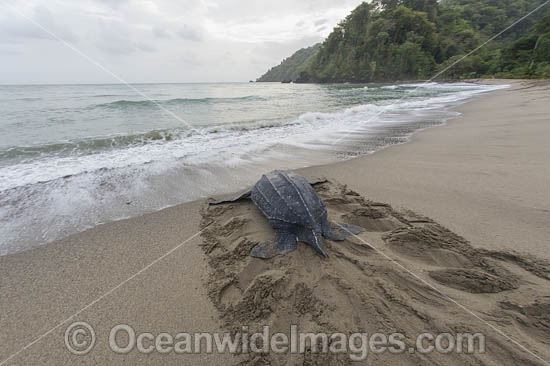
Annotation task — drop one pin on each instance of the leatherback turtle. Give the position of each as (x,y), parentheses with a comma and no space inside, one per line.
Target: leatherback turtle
(295,211)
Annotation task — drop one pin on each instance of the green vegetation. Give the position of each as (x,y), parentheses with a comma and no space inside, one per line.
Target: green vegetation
(290,68)
(529,56)
(389,40)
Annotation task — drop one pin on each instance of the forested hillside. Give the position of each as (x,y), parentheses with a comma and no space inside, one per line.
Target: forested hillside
(290,68)
(529,56)
(389,40)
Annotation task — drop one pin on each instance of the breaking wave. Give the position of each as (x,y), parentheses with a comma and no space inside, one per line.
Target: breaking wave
(123,103)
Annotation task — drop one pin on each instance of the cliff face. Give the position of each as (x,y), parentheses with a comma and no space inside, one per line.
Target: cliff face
(290,68)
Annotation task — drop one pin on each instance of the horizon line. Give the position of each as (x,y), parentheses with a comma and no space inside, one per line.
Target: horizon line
(133,83)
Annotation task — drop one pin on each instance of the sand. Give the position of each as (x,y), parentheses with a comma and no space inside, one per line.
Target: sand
(363,286)
(450,206)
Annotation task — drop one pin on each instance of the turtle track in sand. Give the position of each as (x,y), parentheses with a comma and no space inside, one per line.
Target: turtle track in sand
(356,289)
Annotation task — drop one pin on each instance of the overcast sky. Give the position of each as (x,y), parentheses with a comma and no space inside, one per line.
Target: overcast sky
(157,40)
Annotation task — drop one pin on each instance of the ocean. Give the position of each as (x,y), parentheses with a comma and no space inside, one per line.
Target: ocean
(75,156)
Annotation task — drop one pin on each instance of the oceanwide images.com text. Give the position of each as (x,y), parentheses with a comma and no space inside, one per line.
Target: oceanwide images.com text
(80,340)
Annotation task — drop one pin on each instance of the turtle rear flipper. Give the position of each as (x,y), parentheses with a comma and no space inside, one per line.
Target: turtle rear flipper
(283,243)
(340,231)
(243,196)
(312,238)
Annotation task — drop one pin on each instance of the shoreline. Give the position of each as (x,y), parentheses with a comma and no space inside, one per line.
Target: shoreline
(481,174)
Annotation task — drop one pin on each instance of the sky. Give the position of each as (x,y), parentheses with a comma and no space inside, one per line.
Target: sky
(156,40)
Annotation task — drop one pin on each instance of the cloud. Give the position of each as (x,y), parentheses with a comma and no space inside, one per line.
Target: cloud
(145,47)
(8,49)
(159,40)
(159,32)
(116,39)
(190,33)
(319,22)
(115,4)
(188,59)
(17,25)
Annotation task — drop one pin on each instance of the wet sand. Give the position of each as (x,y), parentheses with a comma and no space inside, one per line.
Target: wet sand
(483,176)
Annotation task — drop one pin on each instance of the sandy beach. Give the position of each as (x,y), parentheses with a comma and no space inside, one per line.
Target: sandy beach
(469,193)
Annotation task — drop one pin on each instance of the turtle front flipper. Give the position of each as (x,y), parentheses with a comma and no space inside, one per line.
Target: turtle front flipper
(243,196)
(340,231)
(283,243)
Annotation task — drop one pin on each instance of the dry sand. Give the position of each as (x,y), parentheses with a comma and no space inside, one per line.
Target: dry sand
(484,176)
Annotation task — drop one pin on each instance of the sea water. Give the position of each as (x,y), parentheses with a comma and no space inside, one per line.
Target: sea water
(75,156)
